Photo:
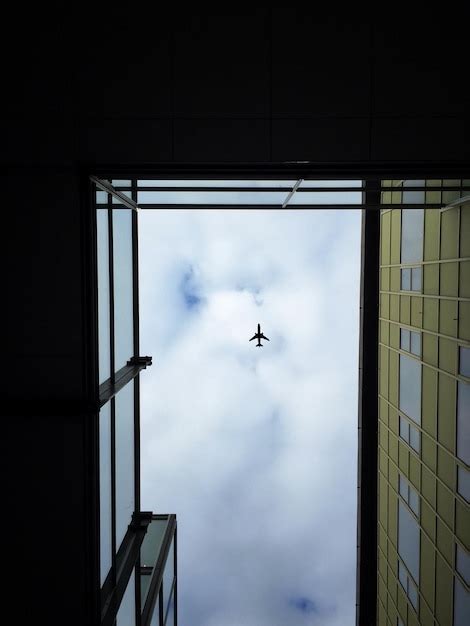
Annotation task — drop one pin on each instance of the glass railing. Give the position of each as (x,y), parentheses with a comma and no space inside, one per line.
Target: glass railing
(158,572)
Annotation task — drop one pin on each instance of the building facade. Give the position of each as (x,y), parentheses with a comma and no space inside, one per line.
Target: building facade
(137,550)
(423,514)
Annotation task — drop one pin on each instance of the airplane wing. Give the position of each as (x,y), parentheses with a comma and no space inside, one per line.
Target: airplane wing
(263,337)
(254,337)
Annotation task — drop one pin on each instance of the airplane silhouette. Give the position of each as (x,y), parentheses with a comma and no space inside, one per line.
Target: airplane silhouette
(259,335)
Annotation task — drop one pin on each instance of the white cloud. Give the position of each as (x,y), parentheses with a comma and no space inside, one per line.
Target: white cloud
(253,448)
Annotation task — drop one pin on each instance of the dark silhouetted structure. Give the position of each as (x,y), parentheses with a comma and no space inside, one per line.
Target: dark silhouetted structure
(239,93)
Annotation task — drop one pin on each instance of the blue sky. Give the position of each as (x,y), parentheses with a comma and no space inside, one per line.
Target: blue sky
(254,449)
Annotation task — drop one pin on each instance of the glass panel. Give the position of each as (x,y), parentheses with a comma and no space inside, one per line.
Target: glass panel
(330,183)
(408,540)
(119,182)
(416,279)
(413,595)
(414,502)
(126,613)
(101,197)
(124,429)
(412,225)
(105,492)
(461,604)
(170,618)
(416,343)
(123,287)
(212,197)
(463,564)
(402,575)
(463,481)
(168,575)
(150,550)
(410,387)
(405,339)
(128,194)
(403,488)
(413,183)
(464,361)
(406,279)
(413,197)
(415,439)
(463,422)
(327,197)
(274,184)
(404,429)
(104,349)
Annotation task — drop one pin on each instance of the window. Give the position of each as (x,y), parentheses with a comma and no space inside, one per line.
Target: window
(408,585)
(408,540)
(409,495)
(411,279)
(104,350)
(410,388)
(123,287)
(106,546)
(464,361)
(463,422)
(462,563)
(463,482)
(461,604)
(410,341)
(124,429)
(126,612)
(410,434)
(412,228)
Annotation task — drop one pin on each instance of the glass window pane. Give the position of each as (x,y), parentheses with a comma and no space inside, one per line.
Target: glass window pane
(124,438)
(410,387)
(119,182)
(463,564)
(105,491)
(463,422)
(413,183)
(212,197)
(408,540)
(413,595)
(402,575)
(330,183)
(405,339)
(413,197)
(414,502)
(150,550)
(104,350)
(461,604)
(128,194)
(406,279)
(416,279)
(415,439)
(274,184)
(404,429)
(126,613)
(463,481)
(416,343)
(403,488)
(464,361)
(170,619)
(168,575)
(101,197)
(123,287)
(412,226)
(327,197)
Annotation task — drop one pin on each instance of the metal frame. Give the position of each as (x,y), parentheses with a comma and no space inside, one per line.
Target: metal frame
(366,604)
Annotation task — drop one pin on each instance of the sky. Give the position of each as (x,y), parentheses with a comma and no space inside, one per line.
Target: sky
(254,449)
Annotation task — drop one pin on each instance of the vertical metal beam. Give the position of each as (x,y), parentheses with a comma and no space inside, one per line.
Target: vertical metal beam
(366,591)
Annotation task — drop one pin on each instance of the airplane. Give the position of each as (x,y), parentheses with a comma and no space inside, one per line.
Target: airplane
(259,335)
